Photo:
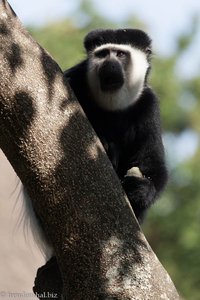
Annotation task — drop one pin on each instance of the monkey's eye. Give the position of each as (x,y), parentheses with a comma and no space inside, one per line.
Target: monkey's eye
(148,51)
(121,53)
(102,53)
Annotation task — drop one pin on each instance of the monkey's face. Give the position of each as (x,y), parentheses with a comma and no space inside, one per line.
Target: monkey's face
(107,65)
(116,74)
(110,65)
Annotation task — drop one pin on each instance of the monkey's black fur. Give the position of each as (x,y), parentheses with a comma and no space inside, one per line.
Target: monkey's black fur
(135,37)
(131,137)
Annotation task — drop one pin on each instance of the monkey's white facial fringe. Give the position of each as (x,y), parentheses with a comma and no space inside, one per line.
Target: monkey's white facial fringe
(134,78)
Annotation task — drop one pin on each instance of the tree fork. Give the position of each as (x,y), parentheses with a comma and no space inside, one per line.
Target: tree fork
(101,252)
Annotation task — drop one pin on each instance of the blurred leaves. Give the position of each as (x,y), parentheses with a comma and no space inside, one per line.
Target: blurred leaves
(185,40)
(63,41)
(168,88)
(173,225)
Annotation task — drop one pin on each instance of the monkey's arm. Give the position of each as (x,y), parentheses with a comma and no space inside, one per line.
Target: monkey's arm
(143,188)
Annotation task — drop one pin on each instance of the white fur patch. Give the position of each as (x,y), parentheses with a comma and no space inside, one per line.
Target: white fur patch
(114,46)
(134,77)
(31,223)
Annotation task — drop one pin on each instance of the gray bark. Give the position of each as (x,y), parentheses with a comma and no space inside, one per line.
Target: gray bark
(101,251)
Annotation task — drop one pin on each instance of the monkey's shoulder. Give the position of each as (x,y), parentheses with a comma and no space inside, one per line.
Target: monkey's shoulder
(76,75)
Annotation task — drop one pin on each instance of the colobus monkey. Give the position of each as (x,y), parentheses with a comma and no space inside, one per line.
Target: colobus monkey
(111,86)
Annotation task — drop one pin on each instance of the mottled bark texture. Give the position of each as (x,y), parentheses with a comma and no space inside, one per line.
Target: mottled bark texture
(100,249)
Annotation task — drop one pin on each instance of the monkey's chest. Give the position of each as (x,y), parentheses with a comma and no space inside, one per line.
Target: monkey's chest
(118,136)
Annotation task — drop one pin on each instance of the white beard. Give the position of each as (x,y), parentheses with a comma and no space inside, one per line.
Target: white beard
(133,85)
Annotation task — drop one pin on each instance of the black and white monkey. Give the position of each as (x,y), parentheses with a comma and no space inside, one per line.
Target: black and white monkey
(111,86)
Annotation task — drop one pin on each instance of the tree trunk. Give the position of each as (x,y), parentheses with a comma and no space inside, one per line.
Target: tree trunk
(101,251)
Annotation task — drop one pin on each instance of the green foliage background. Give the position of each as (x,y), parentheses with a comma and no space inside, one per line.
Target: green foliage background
(172,226)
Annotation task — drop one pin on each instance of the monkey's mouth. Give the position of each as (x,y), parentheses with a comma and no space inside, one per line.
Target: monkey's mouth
(110,84)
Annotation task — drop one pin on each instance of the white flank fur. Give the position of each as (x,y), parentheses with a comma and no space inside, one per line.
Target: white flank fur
(30,222)
(134,77)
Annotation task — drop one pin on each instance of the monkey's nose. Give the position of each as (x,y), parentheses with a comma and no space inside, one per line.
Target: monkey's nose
(111,67)
(110,75)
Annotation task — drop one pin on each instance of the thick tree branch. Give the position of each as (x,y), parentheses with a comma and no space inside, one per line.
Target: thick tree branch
(100,249)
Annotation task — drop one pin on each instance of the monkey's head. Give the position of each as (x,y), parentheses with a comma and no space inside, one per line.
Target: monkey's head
(118,65)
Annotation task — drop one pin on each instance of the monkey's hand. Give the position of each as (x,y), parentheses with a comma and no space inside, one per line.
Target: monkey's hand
(140,191)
